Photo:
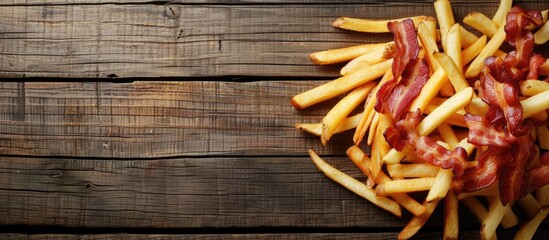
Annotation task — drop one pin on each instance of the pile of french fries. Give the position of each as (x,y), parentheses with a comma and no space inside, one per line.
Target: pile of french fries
(445,98)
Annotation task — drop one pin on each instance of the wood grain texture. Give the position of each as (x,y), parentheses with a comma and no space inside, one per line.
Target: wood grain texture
(542,234)
(158,40)
(158,119)
(181,193)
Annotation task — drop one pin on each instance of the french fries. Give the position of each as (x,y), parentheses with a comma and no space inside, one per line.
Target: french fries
(355,185)
(481,23)
(370,26)
(444,101)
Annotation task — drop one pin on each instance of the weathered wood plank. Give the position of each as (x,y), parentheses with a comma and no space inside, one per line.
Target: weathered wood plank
(541,234)
(190,193)
(158,119)
(184,193)
(152,40)
(157,2)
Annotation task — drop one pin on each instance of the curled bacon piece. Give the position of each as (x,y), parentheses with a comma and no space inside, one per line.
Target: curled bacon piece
(427,148)
(539,176)
(535,62)
(518,36)
(406,43)
(482,133)
(514,175)
(501,96)
(395,97)
(485,173)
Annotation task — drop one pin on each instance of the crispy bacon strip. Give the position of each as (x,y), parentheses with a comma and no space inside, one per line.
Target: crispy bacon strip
(535,62)
(428,149)
(518,36)
(485,173)
(482,133)
(539,176)
(407,45)
(502,96)
(514,176)
(395,97)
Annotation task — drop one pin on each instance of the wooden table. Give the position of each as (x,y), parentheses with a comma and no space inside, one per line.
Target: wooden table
(138,118)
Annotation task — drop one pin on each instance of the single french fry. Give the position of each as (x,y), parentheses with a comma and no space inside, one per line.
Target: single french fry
(543,136)
(341,85)
(429,90)
(403,199)
(501,13)
(368,25)
(453,42)
(342,54)
(545,15)
(472,51)
(377,55)
(429,44)
(481,23)
(532,87)
(441,113)
(477,106)
(542,34)
(394,156)
(529,204)
(431,25)
(451,219)
(413,170)
(448,135)
(368,114)
(535,104)
(467,38)
(415,224)
(475,207)
(373,128)
(355,185)
(453,71)
(316,128)
(445,18)
(492,220)
(362,161)
(442,184)
(404,186)
(491,47)
(342,109)
(375,161)
(528,229)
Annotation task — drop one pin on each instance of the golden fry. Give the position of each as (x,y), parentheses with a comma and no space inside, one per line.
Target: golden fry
(405,186)
(532,87)
(355,185)
(342,109)
(415,224)
(481,23)
(370,26)
(542,34)
(453,71)
(469,53)
(501,13)
(491,47)
(377,55)
(535,104)
(341,85)
(445,18)
(412,170)
(316,128)
(451,219)
(342,54)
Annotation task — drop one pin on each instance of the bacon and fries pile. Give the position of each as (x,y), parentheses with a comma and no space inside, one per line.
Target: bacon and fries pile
(444,112)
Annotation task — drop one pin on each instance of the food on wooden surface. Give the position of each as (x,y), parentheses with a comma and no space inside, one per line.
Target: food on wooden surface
(446,113)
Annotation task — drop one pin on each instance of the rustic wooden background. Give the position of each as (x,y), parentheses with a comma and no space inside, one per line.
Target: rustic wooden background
(171,119)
